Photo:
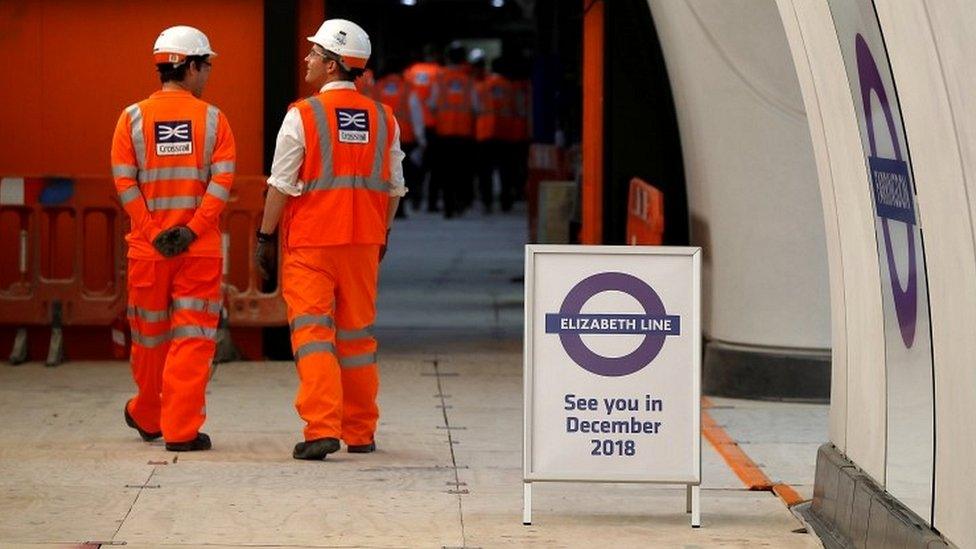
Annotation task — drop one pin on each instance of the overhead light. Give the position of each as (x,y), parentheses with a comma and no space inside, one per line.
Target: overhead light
(498,3)
(409,2)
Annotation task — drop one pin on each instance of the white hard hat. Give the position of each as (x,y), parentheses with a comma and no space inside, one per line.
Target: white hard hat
(175,44)
(476,55)
(347,40)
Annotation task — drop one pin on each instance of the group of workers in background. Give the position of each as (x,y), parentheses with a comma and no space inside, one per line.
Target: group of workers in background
(335,185)
(460,124)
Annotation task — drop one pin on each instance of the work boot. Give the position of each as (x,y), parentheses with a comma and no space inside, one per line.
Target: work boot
(146,435)
(361,448)
(202,442)
(315,450)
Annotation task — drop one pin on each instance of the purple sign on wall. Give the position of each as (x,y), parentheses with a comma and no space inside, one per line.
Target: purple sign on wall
(892,191)
(908,436)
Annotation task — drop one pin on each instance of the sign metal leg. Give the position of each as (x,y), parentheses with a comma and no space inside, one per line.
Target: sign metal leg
(687,498)
(527,504)
(694,492)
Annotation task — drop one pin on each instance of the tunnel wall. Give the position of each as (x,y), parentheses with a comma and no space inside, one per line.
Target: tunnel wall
(753,196)
(776,153)
(928,44)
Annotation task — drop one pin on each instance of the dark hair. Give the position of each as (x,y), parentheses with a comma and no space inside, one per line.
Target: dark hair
(456,53)
(169,73)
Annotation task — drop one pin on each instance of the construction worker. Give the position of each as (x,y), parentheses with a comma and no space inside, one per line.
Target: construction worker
(452,101)
(173,163)
(394,90)
(421,76)
(493,113)
(336,181)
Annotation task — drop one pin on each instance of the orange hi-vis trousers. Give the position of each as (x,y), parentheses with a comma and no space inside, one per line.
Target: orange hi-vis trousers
(331,296)
(174,309)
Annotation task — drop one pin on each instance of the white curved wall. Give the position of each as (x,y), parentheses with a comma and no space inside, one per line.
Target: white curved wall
(930,44)
(752,180)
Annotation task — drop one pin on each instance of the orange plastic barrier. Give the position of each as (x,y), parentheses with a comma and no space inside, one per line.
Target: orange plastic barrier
(63,261)
(645,214)
(247,302)
(61,243)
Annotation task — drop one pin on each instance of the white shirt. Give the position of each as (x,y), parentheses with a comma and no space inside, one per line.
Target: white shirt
(290,152)
(417,118)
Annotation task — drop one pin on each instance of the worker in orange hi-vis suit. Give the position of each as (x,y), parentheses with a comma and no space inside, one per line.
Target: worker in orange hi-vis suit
(173,163)
(493,113)
(452,101)
(336,180)
(394,90)
(421,76)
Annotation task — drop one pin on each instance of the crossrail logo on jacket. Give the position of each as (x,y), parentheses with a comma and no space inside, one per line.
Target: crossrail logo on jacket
(353,125)
(174,137)
(570,323)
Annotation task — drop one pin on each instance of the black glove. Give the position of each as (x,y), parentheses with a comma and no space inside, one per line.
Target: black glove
(266,254)
(174,241)
(383,246)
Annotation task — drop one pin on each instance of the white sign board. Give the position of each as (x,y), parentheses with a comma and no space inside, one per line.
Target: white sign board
(612,364)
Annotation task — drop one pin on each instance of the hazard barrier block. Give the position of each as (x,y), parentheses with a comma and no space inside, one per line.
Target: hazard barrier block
(645,214)
(67,247)
(62,240)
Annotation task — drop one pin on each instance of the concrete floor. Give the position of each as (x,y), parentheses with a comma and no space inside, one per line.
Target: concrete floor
(448,469)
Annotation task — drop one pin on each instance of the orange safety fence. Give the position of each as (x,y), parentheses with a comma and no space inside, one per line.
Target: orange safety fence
(645,214)
(62,257)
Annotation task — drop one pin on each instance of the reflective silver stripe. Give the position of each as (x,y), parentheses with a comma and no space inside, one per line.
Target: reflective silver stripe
(129,195)
(149,315)
(379,150)
(226,166)
(328,181)
(310,320)
(325,139)
(314,347)
(218,190)
(357,360)
(173,203)
(355,334)
(194,331)
(166,174)
(149,341)
(347,182)
(210,139)
(196,304)
(135,130)
(125,170)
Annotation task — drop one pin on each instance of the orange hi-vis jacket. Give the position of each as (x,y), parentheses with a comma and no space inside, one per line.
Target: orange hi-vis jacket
(451,103)
(522,102)
(422,77)
(394,91)
(173,161)
(346,171)
(494,112)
